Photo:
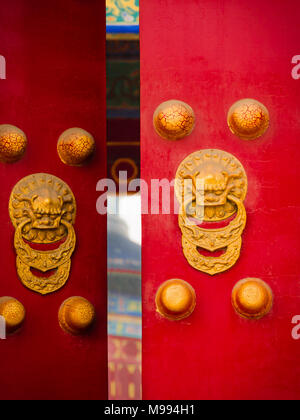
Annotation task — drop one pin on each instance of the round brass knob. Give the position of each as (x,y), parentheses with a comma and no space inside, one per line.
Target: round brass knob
(174,120)
(13,143)
(76,315)
(75,146)
(13,312)
(248,119)
(175,299)
(252,298)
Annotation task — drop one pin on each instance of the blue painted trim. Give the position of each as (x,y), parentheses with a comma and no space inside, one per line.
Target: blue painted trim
(122,29)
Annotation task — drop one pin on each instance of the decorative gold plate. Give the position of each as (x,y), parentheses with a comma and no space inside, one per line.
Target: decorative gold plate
(219,174)
(210,186)
(42,208)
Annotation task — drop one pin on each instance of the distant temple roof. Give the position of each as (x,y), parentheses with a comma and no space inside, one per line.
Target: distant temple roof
(123,254)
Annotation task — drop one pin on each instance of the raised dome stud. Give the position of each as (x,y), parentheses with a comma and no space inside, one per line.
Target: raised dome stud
(248,119)
(13,312)
(13,143)
(76,315)
(252,298)
(75,146)
(175,299)
(174,120)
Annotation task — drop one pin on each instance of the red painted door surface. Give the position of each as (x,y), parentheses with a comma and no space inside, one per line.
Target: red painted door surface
(210,54)
(55,57)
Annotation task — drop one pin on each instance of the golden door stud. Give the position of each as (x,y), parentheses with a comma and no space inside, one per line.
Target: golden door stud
(13,312)
(174,120)
(75,146)
(175,299)
(76,315)
(248,119)
(252,298)
(13,143)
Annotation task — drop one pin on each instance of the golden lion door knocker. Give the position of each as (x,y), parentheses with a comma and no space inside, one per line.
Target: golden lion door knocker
(211,186)
(42,208)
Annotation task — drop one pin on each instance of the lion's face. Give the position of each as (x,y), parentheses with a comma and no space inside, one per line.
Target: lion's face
(46,208)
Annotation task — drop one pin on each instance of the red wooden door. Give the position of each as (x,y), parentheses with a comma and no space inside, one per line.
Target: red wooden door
(210,54)
(55,65)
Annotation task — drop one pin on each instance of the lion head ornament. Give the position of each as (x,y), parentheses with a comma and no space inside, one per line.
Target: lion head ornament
(211,186)
(42,209)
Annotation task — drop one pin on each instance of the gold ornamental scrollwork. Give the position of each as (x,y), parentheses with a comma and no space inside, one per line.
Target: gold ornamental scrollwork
(211,186)
(42,209)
